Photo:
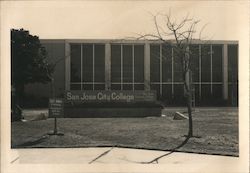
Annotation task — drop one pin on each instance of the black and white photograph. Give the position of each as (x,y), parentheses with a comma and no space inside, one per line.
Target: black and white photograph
(124,86)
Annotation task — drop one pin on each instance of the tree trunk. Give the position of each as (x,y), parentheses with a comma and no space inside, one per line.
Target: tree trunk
(188,95)
(52,85)
(190,119)
(17,102)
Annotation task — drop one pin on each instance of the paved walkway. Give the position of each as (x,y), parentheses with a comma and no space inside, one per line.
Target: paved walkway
(108,155)
(104,158)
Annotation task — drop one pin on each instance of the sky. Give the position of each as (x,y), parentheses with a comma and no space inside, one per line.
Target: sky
(121,19)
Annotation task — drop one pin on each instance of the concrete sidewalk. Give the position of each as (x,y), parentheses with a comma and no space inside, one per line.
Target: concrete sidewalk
(125,160)
(110,155)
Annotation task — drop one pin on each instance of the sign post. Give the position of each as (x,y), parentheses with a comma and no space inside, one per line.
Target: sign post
(56,111)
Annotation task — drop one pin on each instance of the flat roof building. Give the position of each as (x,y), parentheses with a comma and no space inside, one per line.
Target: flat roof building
(144,65)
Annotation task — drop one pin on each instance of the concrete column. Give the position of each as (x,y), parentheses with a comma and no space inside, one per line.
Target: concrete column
(147,66)
(107,66)
(67,66)
(225,72)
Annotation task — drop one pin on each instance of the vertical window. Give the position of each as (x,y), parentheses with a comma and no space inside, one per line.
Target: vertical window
(177,68)
(167,93)
(178,87)
(99,67)
(139,67)
(116,63)
(155,63)
(167,73)
(75,63)
(179,95)
(206,94)
(155,69)
(232,63)
(99,63)
(194,59)
(166,63)
(217,73)
(127,67)
(206,57)
(161,70)
(233,74)
(87,67)
(75,70)
(217,63)
(211,74)
(206,63)
(87,63)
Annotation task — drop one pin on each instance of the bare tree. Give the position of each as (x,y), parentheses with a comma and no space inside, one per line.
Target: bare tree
(179,35)
(53,89)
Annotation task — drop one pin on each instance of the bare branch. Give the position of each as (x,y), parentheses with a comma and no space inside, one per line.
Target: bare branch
(203,27)
(157,27)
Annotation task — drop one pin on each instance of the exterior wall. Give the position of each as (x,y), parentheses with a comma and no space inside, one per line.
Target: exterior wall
(169,90)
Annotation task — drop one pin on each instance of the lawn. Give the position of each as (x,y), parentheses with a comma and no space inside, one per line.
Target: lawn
(217,128)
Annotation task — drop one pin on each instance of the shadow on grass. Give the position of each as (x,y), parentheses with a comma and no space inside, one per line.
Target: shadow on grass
(31,143)
(171,151)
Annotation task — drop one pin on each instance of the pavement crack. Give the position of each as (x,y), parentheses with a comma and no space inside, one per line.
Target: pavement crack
(101,155)
(14,160)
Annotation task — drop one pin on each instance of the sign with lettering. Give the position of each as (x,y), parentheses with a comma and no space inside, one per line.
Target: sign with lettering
(110,96)
(56,108)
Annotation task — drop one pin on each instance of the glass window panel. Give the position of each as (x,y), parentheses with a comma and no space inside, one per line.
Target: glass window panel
(155,63)
(179,98)
(75,87)
(217,63)
(167,91)
(233,94)
(87,63)
(194,60)
(177,68)
(206,92)
(156,87)
(99,63)
(115,87)
(116,63)
(206,64)
(230,92)
(166,63)
(139,86)
(87,87)
(127,87)
(127,63)
(217,91)
(232,63)
(139,63)
(75,63)
(196,93)
(99,86)
(178,90)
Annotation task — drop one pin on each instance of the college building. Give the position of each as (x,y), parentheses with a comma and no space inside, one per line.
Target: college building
(143,65)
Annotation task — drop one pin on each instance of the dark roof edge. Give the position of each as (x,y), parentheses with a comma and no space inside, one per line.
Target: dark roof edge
(132,41)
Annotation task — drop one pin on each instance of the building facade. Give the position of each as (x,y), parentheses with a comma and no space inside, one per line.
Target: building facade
(145,65)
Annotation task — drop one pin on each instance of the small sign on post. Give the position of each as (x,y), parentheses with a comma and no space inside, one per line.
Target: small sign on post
(56,111)
(56,108)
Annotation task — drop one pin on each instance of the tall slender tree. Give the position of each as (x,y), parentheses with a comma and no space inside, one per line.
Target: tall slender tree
(179,35)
